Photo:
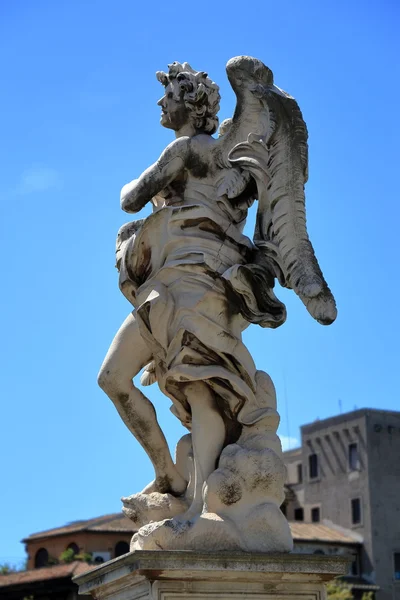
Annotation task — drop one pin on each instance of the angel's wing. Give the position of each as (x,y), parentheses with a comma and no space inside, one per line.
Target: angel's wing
(267,137)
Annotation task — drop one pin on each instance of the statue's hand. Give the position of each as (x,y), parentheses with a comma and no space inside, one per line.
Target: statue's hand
(158,202)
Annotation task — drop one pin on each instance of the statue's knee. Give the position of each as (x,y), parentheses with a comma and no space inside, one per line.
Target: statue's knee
(116,386)
(105,380)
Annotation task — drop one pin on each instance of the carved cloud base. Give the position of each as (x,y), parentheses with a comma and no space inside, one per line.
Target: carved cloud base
(263,529)
(169,575)
(240,501)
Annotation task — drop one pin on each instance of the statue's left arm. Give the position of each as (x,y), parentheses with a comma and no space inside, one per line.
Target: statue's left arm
(136,194)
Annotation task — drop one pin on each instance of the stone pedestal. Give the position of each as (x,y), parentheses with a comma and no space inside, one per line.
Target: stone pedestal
(181,575)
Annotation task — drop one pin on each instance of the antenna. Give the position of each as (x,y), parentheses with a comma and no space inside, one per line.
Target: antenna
(286,410)
(340,406)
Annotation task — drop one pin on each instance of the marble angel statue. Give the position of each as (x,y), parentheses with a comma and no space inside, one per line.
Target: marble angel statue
(196,282)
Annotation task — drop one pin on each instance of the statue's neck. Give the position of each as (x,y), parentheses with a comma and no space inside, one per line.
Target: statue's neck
(186,130)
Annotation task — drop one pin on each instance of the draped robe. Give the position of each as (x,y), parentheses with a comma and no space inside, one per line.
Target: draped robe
(179,269)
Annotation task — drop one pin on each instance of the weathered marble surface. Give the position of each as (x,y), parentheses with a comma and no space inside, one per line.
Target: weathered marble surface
(195,282)
(237,576)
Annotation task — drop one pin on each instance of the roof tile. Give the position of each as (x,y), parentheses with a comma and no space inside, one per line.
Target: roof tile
(104,523)
(119,523)
(321,533)
(54,572)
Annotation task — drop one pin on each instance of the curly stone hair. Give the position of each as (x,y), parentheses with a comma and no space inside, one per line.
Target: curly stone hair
(201,94)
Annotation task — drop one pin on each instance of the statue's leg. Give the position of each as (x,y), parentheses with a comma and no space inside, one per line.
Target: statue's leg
(208,436)
(127,355)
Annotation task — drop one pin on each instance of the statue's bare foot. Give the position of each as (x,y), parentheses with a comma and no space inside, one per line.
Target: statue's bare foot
(175,485)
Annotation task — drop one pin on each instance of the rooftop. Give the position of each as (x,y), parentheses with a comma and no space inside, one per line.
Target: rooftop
(322,532)
(115,522)
(346,417)
(46,573)
(293,451)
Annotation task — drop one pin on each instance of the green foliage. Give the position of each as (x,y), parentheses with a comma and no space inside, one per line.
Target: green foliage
(338,590)
(84,557)
(6,569)
(68,556)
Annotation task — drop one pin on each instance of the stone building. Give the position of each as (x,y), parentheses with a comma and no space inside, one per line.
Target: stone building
(342,497)
(347,471)
(109,536)
(104,538)
(46,583)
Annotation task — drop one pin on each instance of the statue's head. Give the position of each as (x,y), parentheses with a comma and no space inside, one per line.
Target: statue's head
(190,97)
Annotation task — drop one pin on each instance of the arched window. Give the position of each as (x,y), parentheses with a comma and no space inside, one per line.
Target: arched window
(74,547)
(121,548)
(41,558)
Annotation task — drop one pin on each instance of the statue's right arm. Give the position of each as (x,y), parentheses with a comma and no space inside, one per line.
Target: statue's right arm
(136,194)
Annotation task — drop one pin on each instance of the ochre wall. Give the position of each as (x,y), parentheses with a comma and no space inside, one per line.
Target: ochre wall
(86,541)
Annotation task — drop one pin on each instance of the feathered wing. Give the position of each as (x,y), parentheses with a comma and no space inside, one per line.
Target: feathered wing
(267,137)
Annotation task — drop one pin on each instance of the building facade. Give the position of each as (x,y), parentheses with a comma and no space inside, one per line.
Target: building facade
(108,537)
(347,472)
(103,538)
(342,497)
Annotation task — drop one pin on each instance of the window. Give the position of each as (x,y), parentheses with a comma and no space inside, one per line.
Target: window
(121,548)
(355,569)
(73,547)
(356,511)
(313,466)
(299,473)
(298,514)
(354,463)
(41,558)
(396,558)
(315,516)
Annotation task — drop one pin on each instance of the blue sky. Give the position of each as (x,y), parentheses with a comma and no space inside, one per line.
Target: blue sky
(79,120)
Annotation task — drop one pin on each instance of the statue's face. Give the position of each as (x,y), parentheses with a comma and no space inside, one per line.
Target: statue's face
(174,113)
